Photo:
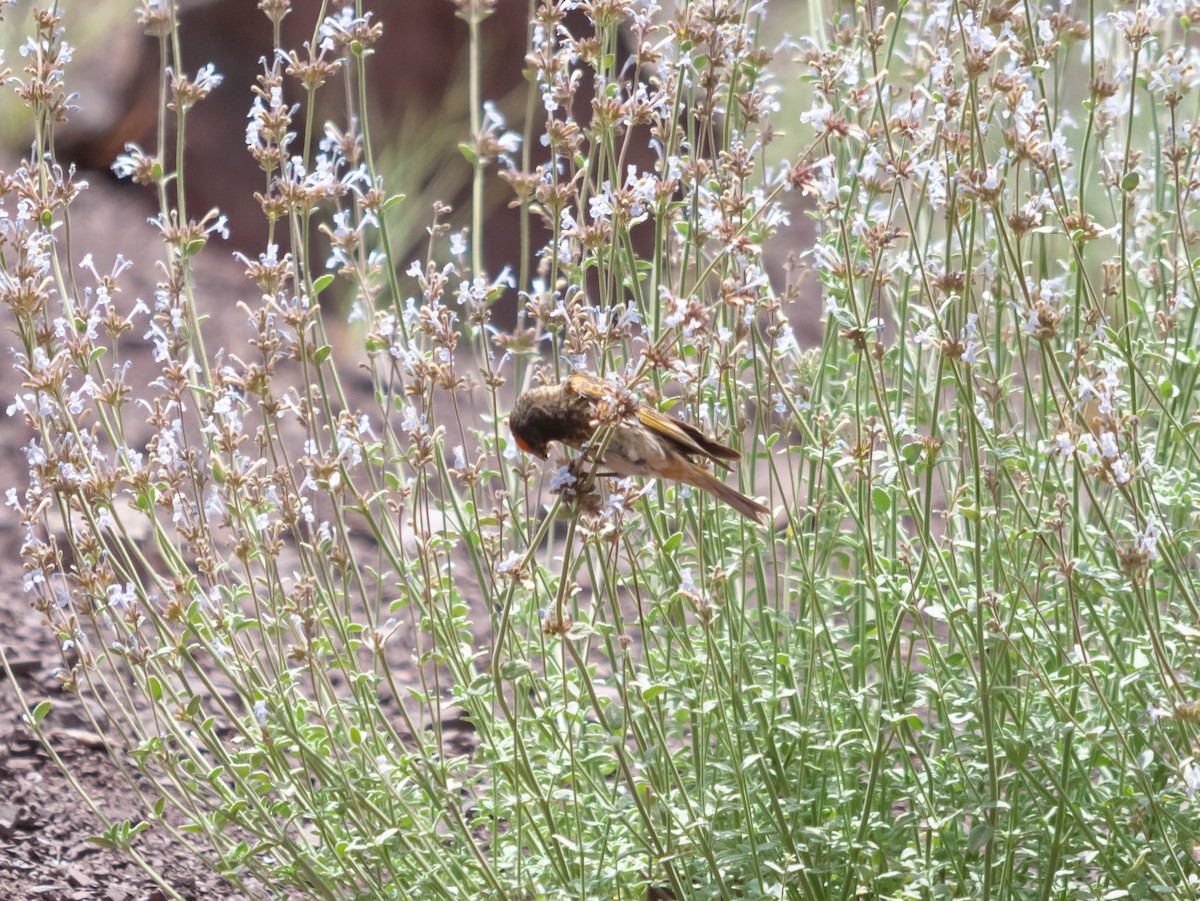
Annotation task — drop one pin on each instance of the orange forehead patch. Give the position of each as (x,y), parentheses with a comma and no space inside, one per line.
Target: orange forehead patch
(522,444)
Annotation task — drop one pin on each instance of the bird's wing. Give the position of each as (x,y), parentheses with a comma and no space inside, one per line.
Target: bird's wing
(688,438)
(588,386)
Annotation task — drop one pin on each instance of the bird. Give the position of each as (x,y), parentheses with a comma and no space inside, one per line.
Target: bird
(643,442)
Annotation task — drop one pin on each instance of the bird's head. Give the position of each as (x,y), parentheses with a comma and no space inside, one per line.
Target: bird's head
(537,419)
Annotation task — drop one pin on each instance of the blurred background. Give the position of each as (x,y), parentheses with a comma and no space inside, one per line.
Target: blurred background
(417,91)
(418,94)
(419,115)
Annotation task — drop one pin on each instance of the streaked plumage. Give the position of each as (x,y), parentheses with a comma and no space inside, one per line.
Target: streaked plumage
(645,443)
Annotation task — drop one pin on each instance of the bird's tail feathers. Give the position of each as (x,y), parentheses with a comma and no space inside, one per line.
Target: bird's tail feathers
(706,481)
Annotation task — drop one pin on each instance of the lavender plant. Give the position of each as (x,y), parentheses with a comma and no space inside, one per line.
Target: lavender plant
(960,662)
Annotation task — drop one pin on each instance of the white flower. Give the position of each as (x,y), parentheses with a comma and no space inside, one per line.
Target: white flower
(1120,471)
(1191,779)
(208,77)
(1063,445)
(982,414)
(1108,446)
(818,115)
(686,582)
(562,478)
(600,205)
(1146,540)
(122,597)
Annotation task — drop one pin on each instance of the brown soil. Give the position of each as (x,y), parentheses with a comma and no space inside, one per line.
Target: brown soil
(45,828)
(45,851)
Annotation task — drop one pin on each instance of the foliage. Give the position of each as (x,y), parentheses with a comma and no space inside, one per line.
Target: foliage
(961,663)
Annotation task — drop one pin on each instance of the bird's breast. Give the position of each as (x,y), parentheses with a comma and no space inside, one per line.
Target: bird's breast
(633,451)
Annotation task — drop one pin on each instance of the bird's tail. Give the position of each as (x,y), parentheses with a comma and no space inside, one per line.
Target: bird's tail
(706,481)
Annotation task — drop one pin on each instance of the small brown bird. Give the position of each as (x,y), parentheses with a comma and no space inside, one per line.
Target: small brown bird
(644,442)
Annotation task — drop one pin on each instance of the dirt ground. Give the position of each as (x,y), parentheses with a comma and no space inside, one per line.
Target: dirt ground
(44,827)
(45,850)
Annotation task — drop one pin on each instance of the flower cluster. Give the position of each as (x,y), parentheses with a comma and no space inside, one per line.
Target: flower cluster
(969,393)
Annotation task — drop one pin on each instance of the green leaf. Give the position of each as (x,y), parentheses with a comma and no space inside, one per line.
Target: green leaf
(39,712)
(980,836)
(321,284)
(468,153)
(911,453)
(652,691)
